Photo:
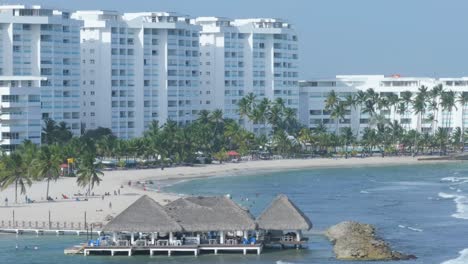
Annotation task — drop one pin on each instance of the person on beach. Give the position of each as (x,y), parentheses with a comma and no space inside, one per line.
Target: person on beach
(118,191)
(6,201)
(110,205)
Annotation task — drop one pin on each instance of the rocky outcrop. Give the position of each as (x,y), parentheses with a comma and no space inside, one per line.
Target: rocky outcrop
(357,241)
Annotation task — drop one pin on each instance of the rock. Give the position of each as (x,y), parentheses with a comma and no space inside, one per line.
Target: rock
(357,241)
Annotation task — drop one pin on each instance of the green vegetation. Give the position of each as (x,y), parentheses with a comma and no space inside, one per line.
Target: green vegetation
(276,131)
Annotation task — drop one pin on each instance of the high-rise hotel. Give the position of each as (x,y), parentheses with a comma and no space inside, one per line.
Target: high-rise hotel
(136,68)
(39,72)
(242,56)
(95,69)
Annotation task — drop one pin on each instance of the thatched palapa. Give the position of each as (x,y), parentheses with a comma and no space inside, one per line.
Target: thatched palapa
(144,215)
(205,214)
(283,214)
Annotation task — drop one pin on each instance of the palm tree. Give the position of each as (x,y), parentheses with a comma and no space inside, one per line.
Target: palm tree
(361,98)
(337,113)
(88,171)
(347,138)
(441,137)
(435,94)
(419,108)
(463,101)
(369,139)
(393,101)
(331,101)
(263,108)
(456,139)
(49,131)
(217,118)
(448,103)
(406,98)
(14,171)
(290,119)
(46,166)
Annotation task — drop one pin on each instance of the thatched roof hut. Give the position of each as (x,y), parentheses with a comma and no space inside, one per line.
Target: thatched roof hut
(210,214)
(283,214)
(144,215)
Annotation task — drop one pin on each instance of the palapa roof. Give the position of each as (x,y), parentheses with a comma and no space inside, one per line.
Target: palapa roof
(283,214)
(210,214)
(144,215)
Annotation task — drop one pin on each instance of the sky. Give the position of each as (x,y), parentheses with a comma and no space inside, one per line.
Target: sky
(406,37)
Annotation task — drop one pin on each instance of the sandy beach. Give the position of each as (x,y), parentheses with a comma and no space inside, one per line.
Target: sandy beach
(96,208)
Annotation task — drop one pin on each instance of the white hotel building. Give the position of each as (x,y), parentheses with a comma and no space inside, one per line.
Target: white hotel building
(138,67)
(247,55)
(39,71)
(313,94)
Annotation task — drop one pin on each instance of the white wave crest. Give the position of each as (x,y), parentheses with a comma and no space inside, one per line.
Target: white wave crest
(414,229)
(461,203)
(455,179)
(462,259)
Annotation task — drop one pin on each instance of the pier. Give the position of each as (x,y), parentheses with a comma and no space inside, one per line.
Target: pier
(45,227)
(197,225)
(169,250)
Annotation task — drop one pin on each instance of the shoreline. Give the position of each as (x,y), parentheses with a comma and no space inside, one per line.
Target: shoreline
(97,207)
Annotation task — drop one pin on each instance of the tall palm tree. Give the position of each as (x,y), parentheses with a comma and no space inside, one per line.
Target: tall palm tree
(338,113)
(441,137)
(290,119)
(463,101)
(88,171)
(217,118)
(331,101)
(263,108)
(393,101)
(419,108)
(49,131)
(361,98)
(46,166)
(406,99)
(435,94)
(14,171)
(347,138)
(448,103)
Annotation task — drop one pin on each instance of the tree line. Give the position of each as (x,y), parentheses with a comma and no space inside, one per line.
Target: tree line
(273,130)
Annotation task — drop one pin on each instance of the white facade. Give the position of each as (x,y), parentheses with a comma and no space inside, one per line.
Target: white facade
(43,42)
(247,55)
(313,94)
(136,68)
(20,110)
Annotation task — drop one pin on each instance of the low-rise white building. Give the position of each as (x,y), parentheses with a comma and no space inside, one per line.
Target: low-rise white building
(313,94)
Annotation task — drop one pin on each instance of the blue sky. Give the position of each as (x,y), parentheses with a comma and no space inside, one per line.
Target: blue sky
(408,37)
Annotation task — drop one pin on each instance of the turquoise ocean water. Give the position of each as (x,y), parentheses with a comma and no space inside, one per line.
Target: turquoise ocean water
(420,210)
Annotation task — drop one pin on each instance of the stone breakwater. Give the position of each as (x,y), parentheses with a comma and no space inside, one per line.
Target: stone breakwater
(357,241)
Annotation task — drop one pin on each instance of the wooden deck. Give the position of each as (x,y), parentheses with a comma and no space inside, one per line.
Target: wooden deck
(195,249)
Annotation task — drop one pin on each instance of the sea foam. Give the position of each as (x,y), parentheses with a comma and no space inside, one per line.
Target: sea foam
(462,259)
(455,179)
(461,202)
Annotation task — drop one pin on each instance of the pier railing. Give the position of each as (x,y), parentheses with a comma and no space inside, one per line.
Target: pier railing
(46,225)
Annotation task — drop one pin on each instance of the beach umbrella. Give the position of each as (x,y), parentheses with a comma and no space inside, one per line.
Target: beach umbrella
(233,153)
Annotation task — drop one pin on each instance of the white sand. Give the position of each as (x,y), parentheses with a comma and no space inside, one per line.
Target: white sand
(96,208)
